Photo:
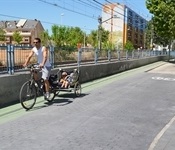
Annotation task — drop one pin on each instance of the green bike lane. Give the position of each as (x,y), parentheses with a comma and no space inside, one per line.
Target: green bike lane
(15,111)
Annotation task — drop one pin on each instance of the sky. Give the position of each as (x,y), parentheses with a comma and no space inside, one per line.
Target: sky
(73,13)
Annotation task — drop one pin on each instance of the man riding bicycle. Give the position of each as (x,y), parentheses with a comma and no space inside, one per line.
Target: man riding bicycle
(42,57)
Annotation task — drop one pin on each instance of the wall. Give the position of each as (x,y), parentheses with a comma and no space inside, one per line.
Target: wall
(11,84)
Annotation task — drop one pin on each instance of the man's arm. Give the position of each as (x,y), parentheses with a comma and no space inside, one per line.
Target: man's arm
(45,56)
(28,58)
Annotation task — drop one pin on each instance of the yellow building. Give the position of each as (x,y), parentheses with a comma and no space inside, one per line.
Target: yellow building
(123,24)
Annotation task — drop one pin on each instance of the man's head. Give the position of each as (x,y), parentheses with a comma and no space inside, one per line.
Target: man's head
(37,42)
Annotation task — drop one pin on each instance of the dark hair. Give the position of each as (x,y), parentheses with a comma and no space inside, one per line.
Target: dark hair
(38,39)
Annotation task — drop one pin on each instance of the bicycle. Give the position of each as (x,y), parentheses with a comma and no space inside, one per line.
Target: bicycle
(32,88)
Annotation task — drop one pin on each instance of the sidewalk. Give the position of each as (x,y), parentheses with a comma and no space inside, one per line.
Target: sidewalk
(166,138)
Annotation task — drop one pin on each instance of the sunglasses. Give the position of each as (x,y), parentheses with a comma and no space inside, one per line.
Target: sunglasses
(35,42)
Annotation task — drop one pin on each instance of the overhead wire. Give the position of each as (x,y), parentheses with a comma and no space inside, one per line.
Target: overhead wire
(93,4)
(107,7)
(90,5)
(46,22)
(135,6)
(56,5)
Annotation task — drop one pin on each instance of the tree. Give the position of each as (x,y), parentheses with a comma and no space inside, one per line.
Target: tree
(67,36)
(92,38)
(55,35)
(163,17)
(99,37)
(2,35)
(108,45)
(75,36)
(17,37)
(45,38)
(128,46)
(105,39)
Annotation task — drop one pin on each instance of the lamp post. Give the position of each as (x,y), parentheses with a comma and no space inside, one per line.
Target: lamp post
(62,14)
(84,38)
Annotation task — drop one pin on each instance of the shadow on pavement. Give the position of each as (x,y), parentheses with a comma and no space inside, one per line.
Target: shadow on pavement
(60,100)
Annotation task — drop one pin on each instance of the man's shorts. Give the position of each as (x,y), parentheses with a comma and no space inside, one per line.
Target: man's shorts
(46,72)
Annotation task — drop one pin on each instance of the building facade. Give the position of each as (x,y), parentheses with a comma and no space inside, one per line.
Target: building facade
(28,29)
(124,25)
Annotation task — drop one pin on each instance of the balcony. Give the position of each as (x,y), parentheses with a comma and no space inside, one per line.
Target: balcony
(21,33)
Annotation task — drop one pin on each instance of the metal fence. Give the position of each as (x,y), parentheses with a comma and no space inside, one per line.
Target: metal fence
(13,57)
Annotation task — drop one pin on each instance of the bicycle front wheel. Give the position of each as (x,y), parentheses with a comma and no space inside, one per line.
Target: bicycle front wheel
(28,95)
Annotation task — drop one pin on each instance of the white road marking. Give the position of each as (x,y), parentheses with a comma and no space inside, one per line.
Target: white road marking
(162,78)
(160,134)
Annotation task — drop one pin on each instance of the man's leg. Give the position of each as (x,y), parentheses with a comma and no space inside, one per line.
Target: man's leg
(45,76)
(47,85)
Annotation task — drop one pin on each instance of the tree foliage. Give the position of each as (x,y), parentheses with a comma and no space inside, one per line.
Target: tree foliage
(67,36)
(92,38)
(45,38)
(17,37)
(99,35)
(75,36)
(2,35)
(163,17)
(63,36)
(129,46)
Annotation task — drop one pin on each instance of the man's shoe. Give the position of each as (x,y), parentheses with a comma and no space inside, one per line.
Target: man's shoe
(47,96)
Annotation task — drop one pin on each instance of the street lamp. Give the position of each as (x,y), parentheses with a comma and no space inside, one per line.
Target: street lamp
(84,38)
(62,14)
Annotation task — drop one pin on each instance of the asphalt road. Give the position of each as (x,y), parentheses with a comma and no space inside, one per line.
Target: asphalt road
(125,111)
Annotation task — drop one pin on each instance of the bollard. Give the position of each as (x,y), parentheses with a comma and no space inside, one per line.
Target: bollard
(12,59)
(118,52)
(126,55)
(138,55)
(9,59)
(133,54)
(96,56)
(109,55)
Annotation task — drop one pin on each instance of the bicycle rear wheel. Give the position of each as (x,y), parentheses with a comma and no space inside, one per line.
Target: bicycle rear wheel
(28,95)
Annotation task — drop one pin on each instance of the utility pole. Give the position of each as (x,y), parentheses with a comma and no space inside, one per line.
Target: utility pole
(100,28)
(112,24)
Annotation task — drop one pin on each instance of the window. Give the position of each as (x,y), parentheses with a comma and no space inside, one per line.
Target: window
(26,39)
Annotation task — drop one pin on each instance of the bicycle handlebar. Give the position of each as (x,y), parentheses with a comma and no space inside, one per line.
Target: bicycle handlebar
(34,66)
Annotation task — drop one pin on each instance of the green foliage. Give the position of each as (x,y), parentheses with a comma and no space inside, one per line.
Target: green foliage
(108,45)
(92,38)
(105,35)
(17,37)
(66,36)
(129,46)
(75,36)
(63,36)
(97,35)
(45,38)
(2,35)
(164,17)
(57,36)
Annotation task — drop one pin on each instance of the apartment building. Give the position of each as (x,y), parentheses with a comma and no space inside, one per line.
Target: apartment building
(28,29)
(123,24)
